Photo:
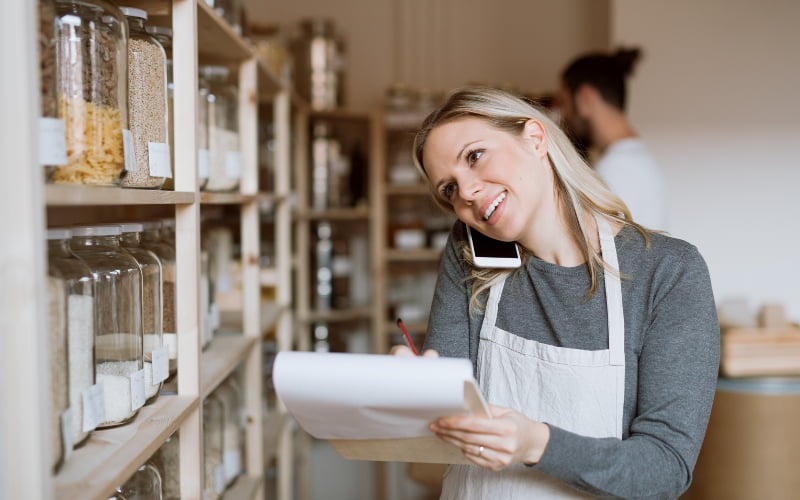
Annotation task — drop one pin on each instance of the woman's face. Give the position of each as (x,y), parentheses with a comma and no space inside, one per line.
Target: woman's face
(496,182)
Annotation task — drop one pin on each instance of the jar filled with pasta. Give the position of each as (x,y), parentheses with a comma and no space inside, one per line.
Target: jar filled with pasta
(147,105)
(223,130)
(91,39)
(118,319)
(79,288)
(156,354)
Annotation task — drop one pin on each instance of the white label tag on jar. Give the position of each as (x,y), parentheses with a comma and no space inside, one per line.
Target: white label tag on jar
(232,462)
(52,142)
(159,159)
(137,390)
(233,164)
(128,149)
(219,478)
(66,432)
(160,360)
(94,407)
(203,163)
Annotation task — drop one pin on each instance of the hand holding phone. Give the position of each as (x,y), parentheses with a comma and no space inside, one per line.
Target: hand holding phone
(488,252)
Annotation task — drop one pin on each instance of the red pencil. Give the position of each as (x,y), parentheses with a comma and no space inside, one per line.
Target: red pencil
(407,336)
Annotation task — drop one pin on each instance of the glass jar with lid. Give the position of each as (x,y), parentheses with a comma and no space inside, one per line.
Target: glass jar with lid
(144,484)
(57,362)
(79,288)
(147,105)
(223,130)
(233,439)
(150,239)
(92,68)
(52,145)
(203,147)
(213,429)
(164,37)
(118,320)
(167,461)
(156,354)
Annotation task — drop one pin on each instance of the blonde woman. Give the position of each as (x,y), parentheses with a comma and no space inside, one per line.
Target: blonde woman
(599,355)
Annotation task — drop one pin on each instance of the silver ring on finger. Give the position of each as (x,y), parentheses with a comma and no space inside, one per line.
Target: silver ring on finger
(480,451)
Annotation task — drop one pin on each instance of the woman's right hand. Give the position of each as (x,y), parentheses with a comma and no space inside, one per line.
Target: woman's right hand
(402,350)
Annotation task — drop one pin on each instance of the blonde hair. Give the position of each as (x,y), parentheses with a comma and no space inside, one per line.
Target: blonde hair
(578,189)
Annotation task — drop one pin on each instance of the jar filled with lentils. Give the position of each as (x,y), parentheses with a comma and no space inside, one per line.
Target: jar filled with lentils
(147,105)
(91,41)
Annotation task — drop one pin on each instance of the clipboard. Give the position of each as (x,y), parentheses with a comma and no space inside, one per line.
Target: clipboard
(378,407)
(429,449)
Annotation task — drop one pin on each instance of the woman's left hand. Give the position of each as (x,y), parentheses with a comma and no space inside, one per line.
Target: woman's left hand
(507,438)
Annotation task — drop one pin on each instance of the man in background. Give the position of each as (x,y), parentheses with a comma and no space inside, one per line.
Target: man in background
(592,104)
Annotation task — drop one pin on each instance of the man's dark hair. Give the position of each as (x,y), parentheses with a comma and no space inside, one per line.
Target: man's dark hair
(605,72)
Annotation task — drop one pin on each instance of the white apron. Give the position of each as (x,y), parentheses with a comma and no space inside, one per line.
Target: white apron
(579,391)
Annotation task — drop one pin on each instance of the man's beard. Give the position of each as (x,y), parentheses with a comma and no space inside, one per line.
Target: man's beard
(578,131)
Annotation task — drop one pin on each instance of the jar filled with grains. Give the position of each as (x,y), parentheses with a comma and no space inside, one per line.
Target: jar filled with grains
(145,483)
(213,429)
(79,286)
(57,361)
(147,105)
(233,436)
(156,354)
(91,39)
(150,239)
(223,130)
(167,460)
(118,319)
(52,145)
(164,37)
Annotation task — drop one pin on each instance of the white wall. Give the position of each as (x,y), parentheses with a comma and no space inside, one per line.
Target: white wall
(717,97)
(442,44)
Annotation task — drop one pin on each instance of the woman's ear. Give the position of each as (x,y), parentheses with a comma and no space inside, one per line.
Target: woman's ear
(535,135)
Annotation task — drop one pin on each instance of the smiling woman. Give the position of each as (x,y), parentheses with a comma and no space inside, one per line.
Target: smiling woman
(585,356)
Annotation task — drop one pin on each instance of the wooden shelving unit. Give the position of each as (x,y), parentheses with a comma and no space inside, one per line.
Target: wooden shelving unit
(110,456)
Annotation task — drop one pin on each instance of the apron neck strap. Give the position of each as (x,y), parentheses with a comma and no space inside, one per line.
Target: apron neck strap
(613,286)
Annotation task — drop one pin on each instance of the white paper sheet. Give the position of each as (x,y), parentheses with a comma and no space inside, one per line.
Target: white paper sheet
(364,396)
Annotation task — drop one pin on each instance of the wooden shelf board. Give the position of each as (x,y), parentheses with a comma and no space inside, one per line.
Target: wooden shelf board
(355,313)
(416,255)
(225,198)
(80,195)
(360,213)
(221,358)
(245,488)
(111,456)
(216,39)
(408,190)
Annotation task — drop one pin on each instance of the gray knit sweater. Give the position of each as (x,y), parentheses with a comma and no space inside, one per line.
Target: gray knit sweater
(671,355)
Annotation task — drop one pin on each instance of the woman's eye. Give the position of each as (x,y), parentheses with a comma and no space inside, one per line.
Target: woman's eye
(448,190)
(474,156)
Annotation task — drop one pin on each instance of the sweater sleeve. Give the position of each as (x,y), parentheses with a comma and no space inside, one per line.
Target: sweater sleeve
(448,326)
(677,376)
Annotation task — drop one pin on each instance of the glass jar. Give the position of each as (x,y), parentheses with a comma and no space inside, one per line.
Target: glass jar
(150,239)
(147,105)
(223,130)
(233,435)
(205,302)
(52,145)
(156,354)
(144,484)
(92,68)
(57,361)
(164,37)
(118,319)
(79,286)
(318,58)
(167,460)
(231,11)
(213,429)
(203,147)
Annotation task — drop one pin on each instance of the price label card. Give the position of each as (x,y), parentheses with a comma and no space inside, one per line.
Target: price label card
(160,360)
(233,164)
(66,432)
(203,163)
(52,142)
(158,156)
(137,389)
(128,149)
(94,407)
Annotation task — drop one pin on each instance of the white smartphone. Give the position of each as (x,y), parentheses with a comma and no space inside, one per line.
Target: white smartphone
(488,252)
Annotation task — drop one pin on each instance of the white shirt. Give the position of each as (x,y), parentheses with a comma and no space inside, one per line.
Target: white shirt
(631,172)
